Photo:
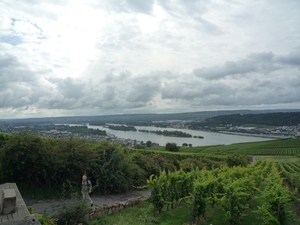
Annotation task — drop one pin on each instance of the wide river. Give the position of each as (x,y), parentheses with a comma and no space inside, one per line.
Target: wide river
(210,138)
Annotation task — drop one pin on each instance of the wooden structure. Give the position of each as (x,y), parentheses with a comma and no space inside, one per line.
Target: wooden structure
(13,209)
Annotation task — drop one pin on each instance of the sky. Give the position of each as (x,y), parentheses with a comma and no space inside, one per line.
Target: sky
(99,57)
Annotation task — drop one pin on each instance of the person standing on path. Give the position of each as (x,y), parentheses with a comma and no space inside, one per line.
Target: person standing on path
(86,189)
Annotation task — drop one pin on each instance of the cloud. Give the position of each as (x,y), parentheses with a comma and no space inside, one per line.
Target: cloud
(18,82)
(12,71)
(191,12)
(99,57)
(143,90)
(255,62)
(68,87)
(125,6)
(292,58)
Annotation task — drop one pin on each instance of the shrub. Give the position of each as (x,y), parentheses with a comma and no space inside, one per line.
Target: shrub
(72,214)
(45,220)
(236,160)
(172,147)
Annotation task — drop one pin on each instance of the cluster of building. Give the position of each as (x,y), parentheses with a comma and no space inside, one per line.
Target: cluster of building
(282,131)
(94,137)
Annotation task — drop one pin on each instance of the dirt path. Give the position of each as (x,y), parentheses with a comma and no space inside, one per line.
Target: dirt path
(51,207)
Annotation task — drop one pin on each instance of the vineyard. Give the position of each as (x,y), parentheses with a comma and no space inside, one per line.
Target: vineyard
(284,147)
(256,194)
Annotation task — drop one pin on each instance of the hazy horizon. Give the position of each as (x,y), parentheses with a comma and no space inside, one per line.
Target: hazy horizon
(173,113)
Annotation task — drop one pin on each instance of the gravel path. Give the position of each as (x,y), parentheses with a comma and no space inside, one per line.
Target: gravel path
(50,207)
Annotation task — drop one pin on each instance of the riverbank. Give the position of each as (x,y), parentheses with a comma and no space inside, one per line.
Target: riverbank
(251,135)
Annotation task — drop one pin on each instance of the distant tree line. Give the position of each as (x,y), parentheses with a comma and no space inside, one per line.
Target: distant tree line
(122,127)
(169,133)
(270,119)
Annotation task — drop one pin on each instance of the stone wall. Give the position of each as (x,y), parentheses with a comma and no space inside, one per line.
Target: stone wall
(109,209)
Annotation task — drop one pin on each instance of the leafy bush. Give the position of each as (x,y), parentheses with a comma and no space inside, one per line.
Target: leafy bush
(236,160)
(72,214)
(45,220)
(172,147)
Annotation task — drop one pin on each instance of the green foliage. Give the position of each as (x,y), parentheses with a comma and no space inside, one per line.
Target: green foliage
(280,147)
(172,147)
(109,170)
(42,163)
(169,188)
(175,133)
(72,214)
(45,220)
(190,164)
(231,189)
(202,196)
(148,144)
(142,214)
(18,153)
(236,160)
(30,209)
(276,200)
(125,128)
(3,139)
(138,146)
(56,165)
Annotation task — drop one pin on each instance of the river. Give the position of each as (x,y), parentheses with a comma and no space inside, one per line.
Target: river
(210,138)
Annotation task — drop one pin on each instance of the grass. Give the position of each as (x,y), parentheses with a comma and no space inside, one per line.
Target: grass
(143,214)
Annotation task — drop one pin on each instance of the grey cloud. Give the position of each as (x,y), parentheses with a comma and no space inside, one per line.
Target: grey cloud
(208,27)
(122,92)
(18,82)
(256,62)
(194,89)
(109,93)
(178,90)
(292,58)
(69,87)
(140,6)
(57,101)
(139,92)
(20,97)
(12,71)
(255,90)
(122,76)
(143,90)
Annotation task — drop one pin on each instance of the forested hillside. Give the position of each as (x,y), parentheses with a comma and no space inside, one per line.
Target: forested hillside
(271,119)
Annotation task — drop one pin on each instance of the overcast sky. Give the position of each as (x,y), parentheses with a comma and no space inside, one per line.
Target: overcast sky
(94,57)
